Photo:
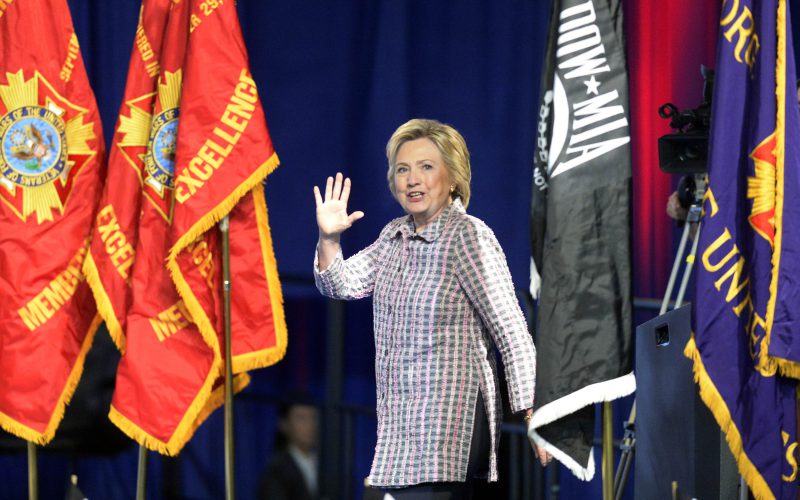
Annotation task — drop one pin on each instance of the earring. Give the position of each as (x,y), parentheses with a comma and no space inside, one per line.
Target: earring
(452,188)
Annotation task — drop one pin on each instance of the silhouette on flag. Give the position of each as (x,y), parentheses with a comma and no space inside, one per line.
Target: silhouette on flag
(51,171)
(580,230)
(744,345)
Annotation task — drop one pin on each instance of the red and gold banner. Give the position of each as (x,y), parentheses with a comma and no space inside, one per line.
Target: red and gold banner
(168,379)
(109,264)
(51,174)
(257,322)
(163,350)
(224,154)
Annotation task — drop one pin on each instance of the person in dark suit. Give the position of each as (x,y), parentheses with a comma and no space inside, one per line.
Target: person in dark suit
(292,473)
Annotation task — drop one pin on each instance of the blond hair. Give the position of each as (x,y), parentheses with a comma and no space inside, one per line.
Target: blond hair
(449,143)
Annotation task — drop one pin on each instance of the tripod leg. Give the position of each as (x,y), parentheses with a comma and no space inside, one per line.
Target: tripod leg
(629,441)
(627,453)
(624,470)
(689,265)
(676,264)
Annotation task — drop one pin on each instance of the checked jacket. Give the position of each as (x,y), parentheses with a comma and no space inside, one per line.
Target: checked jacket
(442,300)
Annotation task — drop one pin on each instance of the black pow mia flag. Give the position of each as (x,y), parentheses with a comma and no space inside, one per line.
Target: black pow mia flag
(580,229)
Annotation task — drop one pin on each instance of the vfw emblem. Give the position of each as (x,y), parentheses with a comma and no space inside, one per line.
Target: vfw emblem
(45,144)
(147,137)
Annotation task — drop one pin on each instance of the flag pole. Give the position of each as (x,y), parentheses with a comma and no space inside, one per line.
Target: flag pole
(141,474)
(33,473)
(608,453)
(226,281)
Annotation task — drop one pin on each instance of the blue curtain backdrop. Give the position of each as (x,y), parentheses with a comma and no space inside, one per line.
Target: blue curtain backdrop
(336,79)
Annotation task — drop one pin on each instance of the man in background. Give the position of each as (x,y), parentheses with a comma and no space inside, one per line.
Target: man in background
(294,470)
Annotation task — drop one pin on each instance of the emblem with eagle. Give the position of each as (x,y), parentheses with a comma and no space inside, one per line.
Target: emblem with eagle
(44,143)
(147,137)
(31,145)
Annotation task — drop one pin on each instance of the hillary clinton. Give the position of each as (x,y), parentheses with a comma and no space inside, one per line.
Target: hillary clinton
(443,299)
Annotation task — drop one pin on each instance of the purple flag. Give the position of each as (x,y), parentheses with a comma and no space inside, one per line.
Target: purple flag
(745,345)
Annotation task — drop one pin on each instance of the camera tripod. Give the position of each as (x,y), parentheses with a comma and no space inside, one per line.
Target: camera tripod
(691,229)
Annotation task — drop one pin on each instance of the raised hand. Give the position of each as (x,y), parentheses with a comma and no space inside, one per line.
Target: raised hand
(332,217)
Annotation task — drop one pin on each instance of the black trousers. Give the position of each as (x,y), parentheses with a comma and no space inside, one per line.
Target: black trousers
(477,468)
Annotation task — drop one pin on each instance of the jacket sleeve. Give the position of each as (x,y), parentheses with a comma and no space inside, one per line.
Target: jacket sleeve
(484,275)
(349,279)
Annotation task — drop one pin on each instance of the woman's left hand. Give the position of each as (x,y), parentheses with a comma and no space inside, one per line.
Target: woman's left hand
(543,456)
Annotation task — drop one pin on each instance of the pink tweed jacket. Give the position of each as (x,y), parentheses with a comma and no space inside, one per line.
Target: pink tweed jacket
(442,300)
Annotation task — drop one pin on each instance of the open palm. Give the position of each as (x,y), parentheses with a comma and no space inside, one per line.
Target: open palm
(332,217)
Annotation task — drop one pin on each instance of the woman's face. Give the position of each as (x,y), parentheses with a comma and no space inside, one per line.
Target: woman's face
(421,181)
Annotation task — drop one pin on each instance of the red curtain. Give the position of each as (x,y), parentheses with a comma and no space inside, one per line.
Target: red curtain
(667,42)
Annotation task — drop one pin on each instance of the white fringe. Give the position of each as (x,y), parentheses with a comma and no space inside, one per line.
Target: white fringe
(594,393)
(536,281)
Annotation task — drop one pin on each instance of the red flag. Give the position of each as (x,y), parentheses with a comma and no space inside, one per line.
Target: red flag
(51,171)
(168,379)
(224,154)
(109,264)
(258,325)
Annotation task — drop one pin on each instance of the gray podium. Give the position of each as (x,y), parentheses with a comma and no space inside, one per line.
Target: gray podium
(677,439)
